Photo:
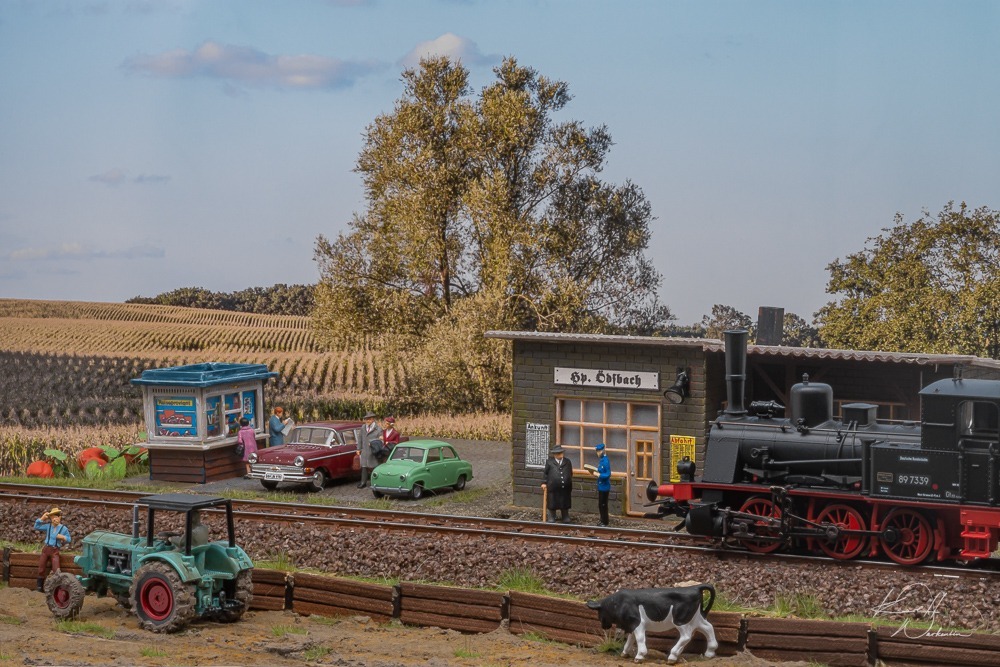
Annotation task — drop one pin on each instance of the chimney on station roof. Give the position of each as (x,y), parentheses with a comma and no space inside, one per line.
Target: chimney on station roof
(770,325)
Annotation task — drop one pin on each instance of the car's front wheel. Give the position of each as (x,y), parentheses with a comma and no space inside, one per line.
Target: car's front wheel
(378,494)
(417,492)
(460,484)
(270,486)
(319,480)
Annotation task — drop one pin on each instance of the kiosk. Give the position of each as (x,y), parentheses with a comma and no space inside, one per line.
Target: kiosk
(193,416)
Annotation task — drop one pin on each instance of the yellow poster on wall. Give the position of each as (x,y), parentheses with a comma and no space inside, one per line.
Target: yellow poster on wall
(680,446)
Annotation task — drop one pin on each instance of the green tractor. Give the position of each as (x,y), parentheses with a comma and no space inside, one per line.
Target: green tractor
(167,579)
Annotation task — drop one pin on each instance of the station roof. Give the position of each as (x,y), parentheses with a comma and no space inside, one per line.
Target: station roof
(780,351)
(203,375)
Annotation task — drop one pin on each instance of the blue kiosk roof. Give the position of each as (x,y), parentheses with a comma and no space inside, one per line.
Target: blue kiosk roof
(203,375)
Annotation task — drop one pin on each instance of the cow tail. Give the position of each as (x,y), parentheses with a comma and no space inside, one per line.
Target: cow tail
(711,597)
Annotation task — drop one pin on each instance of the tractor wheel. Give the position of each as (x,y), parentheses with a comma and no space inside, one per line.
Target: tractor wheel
(64,595)
(243,593)
(161,601)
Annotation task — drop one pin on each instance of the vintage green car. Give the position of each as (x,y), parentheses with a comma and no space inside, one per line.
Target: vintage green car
(419,466)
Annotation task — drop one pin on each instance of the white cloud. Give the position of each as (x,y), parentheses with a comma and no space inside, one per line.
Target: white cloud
(115,177)
(451,45)
(75,250)
(112,177)
(143,179)
(248,66)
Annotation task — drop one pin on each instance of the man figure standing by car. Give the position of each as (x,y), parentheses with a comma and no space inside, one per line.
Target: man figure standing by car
(559,484)
(371,436)
(276,426)
(56,537)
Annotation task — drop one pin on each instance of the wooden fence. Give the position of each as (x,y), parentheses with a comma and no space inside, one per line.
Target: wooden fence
(570,621)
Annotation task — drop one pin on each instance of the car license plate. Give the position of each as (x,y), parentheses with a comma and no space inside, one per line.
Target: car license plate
(274,476)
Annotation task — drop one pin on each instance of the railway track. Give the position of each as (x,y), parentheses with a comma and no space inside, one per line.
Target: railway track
(336,517)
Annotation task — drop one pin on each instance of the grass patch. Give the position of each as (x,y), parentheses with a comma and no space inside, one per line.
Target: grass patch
(10,620)
(463,496)
(537,637)
(723,603)
(377,504)
(30,547)
(324,620)
(152,652)
(612,643)
(96,483)
(800,605)
(280,561)
(4,657)
(316,652)
(522,579)
(84,628)
(282,630)
(466,654)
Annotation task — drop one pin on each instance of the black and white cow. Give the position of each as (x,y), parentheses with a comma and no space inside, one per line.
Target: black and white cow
(657,610)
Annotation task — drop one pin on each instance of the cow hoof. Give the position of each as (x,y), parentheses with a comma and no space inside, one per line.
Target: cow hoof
(709,654)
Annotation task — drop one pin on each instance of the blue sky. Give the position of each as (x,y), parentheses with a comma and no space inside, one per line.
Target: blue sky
(149,145)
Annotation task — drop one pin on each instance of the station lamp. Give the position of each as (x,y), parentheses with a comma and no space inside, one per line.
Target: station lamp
(679,390)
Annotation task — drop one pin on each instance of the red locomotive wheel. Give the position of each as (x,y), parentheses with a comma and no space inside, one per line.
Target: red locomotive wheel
(844,547)
(914,537)
(761,506)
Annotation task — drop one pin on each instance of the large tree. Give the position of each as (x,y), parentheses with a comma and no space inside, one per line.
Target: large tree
(931,285)
(486,212)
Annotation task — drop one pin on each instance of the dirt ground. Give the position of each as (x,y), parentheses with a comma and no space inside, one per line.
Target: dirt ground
(29,636)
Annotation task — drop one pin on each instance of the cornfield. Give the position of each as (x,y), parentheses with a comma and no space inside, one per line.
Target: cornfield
(67,365)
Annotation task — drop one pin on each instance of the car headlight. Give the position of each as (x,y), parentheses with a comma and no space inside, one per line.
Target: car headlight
(299,461)
(374,475)
(402,478)
(252,458)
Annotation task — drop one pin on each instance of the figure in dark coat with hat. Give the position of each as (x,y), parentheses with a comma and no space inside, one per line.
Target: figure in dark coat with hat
(559,484)
(371,441)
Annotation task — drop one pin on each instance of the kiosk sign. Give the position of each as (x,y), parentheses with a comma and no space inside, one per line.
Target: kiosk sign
(608,378)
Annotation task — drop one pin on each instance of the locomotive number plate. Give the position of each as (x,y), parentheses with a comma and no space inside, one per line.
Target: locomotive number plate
(884,477)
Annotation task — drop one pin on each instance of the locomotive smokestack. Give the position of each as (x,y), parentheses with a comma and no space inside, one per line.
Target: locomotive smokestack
(736,370)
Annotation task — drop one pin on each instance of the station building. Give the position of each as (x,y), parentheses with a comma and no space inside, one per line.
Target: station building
(651,400)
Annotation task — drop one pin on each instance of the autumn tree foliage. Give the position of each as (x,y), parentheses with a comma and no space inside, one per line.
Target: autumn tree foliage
(484,212)
(931,285)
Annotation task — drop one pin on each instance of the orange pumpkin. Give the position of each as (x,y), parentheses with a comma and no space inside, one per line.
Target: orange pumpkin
(91,453)
(40,469)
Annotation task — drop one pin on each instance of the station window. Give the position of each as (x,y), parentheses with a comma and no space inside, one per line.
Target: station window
(583,423)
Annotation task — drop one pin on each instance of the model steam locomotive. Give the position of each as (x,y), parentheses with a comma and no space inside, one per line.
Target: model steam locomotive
(847,488)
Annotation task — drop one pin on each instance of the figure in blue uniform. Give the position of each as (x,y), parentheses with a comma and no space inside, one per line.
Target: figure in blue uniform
(603,482)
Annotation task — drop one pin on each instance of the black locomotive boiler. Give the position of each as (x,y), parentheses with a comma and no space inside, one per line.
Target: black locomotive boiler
(847,488)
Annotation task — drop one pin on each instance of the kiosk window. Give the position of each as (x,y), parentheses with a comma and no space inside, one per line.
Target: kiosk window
(175,416)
